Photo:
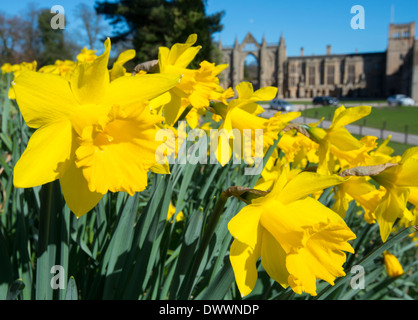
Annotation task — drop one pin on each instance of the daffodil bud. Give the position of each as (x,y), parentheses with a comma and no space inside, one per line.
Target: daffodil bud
(317,134)
(392,265)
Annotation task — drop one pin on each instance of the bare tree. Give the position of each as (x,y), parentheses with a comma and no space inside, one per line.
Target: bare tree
(93,24)
(26,37)
(31,41)
(10,38)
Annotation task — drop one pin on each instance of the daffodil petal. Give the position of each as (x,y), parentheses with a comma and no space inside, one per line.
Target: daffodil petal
(125,56)
(243,260)
(306,183)
(265,94)
(222,146)
(90,80)
(185,58)
(413,196)
(245,90)
(252,108)
(325,165)
(244,226)
(273,259)
(391,207)
(344,116)
(174,108)
(344,140)
(410,153)
(48,149)
(182,54)
(76,192)
(43,98)
(128,90)
(118,70)
(408,175)
(161,168)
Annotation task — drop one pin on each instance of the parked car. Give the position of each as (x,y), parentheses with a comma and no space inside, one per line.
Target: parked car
(400,100)
(281,105)
(325,101)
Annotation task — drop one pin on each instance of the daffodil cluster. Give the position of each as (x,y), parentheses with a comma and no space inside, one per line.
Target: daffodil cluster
(96,128)
(298,239)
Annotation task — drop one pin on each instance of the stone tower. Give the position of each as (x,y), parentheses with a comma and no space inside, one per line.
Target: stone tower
(281,67)
(414,82)
(399,58)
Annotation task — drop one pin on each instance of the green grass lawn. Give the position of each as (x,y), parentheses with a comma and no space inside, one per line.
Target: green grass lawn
(394,119)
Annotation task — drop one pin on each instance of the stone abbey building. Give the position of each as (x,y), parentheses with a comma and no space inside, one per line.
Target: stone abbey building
(357,75)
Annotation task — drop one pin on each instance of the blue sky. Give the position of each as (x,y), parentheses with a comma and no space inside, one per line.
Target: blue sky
(311,24)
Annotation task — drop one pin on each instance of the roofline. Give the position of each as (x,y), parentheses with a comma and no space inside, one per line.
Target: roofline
(336,55)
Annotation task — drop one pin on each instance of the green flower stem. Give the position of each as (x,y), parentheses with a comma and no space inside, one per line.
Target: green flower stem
(265,159)
(52,242)
(213,221)
(184,114)
(42,264)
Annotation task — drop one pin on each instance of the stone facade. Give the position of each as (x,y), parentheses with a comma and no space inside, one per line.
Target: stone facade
(357,75)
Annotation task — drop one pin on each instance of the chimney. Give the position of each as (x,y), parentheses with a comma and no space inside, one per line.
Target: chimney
(301,52)
(328,50)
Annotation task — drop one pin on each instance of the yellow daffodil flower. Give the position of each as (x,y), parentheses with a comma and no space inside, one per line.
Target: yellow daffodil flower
(272,171)
(398,181)
(383,154)
(241,120)
(298,149)
(92,134)
(406,221)
(118,70)
(216,117)
(336,141)
(6,68)
(86,55)
(197,87)
(298,239)
(172,211)
(360,190)
(17,69)
(248,99)
(392,265)
(356,157)
(62,68)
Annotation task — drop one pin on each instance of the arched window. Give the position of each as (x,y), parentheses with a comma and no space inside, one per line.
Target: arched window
(251,70)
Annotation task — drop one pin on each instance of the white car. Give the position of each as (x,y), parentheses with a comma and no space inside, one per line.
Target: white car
(400,100)
(281,105)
